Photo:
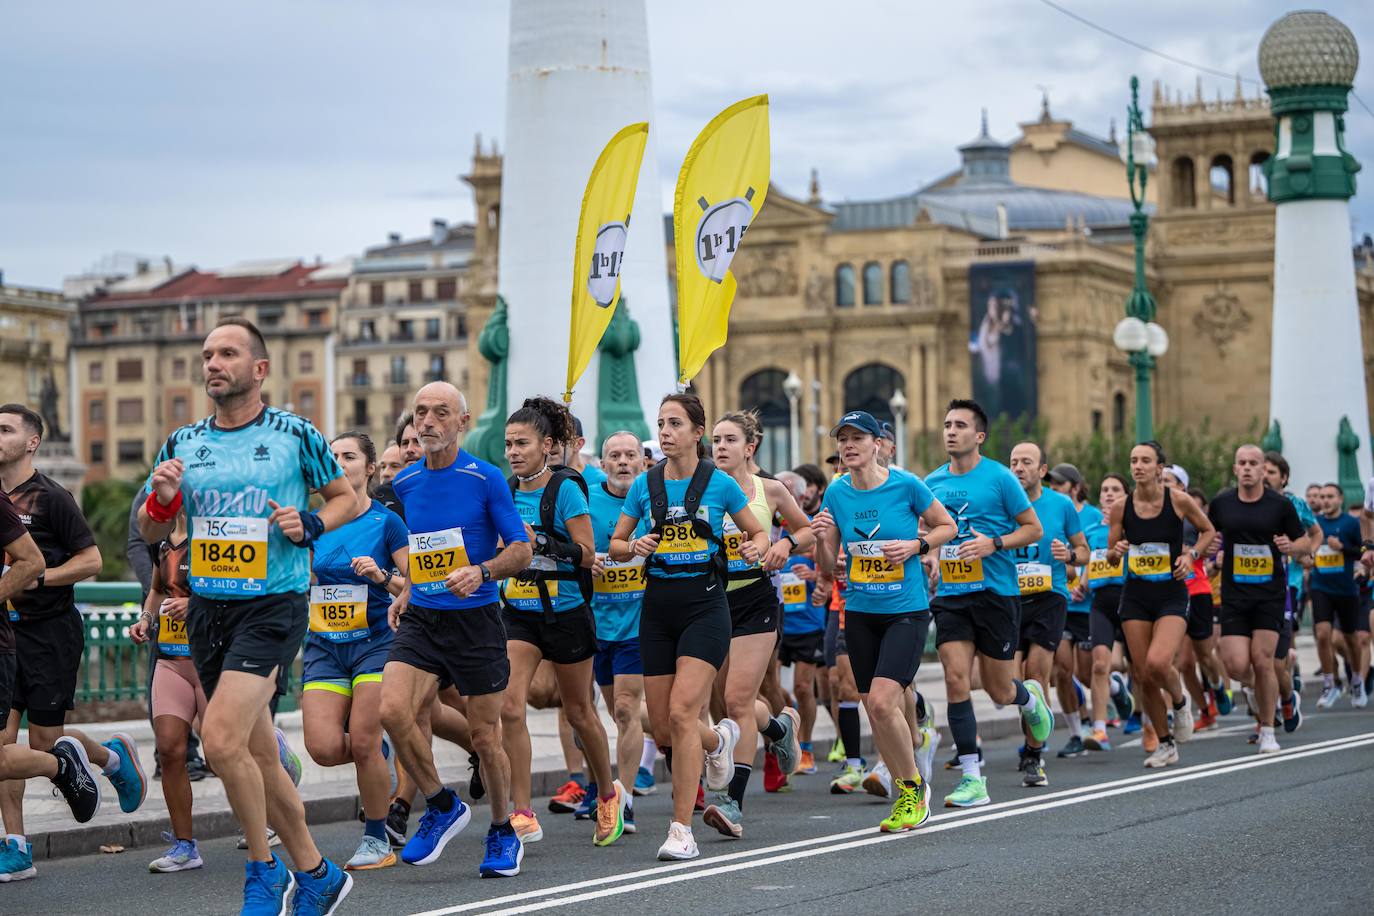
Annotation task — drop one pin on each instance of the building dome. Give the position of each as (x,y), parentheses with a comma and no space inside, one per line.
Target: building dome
(1308,48)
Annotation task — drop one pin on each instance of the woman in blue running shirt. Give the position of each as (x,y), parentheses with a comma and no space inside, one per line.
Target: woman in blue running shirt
(352,584)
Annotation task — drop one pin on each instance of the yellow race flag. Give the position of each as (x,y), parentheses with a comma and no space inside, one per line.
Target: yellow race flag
(601,232)
(720,190)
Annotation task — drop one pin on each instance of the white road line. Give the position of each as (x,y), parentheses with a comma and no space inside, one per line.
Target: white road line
(1203,736)
(686,871)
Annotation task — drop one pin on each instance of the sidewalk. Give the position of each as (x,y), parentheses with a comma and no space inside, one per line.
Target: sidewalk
(330,794)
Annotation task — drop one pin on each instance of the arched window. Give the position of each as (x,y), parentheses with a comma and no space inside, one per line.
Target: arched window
(1118,414)
(1185,188)
(1221,178)
(873,283)
(762,393)
(844,286)
(1259,185)
(900,282)
(870,388)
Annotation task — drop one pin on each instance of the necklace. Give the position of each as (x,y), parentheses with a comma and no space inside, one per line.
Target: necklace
(535,476)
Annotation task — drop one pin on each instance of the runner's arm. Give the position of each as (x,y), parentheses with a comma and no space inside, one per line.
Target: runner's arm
(1028,530)
(1116,531)
(339,503)
(940,527)
(1081,553)
(580,533)
(397,583)
(26,565)
(781,500)
(622,546)
(79,566)
(1188,508)
(757,536)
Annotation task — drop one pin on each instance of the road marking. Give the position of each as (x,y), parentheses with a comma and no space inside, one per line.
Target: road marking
(783,852)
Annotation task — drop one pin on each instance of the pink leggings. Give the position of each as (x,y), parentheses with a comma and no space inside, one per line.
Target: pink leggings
(177,691)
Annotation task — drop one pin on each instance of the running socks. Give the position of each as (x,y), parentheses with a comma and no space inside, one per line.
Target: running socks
(963,725)
(1024,698)
(970,764)
(443,799)
(1075,726)
(646,759)
(739,783)
(319,871)
(1099,725)
(113,763)
(376,829)
(849,728)
(774,730)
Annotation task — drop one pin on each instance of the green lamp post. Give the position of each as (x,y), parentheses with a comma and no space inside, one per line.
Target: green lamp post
(1137,334)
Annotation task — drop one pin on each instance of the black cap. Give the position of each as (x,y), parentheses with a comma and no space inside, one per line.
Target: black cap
(577,425)
(1065,473)
(833,459)
(861,420)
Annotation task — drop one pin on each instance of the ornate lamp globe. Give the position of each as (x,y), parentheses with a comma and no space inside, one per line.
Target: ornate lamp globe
(1308,48)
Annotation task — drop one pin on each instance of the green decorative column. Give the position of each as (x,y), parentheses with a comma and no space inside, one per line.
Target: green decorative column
(1347,464)
(617,394)
(487,438)
(1273,438)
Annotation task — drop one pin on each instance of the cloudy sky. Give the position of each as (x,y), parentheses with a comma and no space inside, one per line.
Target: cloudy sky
(261,128)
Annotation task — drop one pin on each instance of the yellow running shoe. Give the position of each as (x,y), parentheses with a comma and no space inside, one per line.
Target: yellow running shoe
(911,809)
(848,781)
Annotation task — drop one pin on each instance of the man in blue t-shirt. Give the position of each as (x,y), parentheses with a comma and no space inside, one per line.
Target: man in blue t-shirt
(448,622)
(244,477)
(977,605)
(1336,599)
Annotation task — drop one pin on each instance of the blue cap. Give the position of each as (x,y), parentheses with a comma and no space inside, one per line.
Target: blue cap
(861,420)
(888,432)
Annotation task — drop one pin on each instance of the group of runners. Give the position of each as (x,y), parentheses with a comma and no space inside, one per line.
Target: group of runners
(431,596)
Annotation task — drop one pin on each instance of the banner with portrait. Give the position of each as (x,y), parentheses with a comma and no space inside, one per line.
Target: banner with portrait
(1002,338)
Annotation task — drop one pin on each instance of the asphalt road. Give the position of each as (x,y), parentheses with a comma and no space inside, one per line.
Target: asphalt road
(1226,831)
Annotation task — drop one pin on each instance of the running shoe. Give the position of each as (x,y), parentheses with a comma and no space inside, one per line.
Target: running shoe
(1368,680)
(16,861)
(644,782)
(1166,754)
(290,761)
(196,769)
(1297,679)
(787,749)
(1292,713)
(272,840)
(630,816)
(848,781)
(76,779)
(1253,737)
(700,803)
(774,779)
(567,798)
(807,766)
(836,754)
(397,823)
(477,790)
(587,809)
(1329,697)
(720,763)
(1358,698)
(183,856)
(1074,748)
(527,827)
(1121,695)
(1206,720)
(372,853)
(679,845)
(1033,771)
(909,811)
(266,886)
(972,792)
(1183,722)
(504,853)
(1132,724)
(878,781)
(1149,740)
(725,815)
(1268,744)
(436,829)
(1098,741)
(128,780)
(321,896)
(610,816)
(1040,721)
(925,754)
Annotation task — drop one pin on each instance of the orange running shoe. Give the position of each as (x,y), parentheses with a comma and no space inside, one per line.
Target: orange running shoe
(568,797)
(1205,721)
(808,763)
(1148,739)
(526,826)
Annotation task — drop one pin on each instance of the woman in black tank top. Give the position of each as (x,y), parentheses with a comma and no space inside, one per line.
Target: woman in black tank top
(1147,529)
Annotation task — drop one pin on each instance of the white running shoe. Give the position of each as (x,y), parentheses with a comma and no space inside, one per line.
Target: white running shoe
(1183,722)
(183,856)
(878,781)
(272,839)
(925,754)
(1329,697)
(1164,755)
(679,846)
(1358,698)
(1268,744)
(720,763)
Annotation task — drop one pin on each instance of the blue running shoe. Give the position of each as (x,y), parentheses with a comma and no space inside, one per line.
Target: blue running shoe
(787,749)
(1079,692)
(1227,702)
(265,887)
(16,861)
(128,780)
(504,852)
(435,830)
(321,896)
(630,818)
(586,810)
(1121,697)
(1132,726)
(290,761)
(644,782)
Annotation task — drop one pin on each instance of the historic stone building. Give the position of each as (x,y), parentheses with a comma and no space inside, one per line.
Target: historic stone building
(34,332)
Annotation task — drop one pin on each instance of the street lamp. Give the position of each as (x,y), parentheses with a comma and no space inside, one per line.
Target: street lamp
(898,404)
(792,387)
(1137,334)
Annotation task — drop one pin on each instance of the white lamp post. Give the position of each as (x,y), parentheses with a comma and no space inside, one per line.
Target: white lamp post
(792,386)
(898,405)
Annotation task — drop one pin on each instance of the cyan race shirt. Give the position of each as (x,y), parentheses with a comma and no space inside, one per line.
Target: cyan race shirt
(564,594)
(1101,572)
(455,516)
(722,496)
(987,500)
(868,519)
(1307,519)
(594,476)
(1037,571)
(799,616)
(619,591)
(1090,518)
(377,533)
(229,476)
(1333,570)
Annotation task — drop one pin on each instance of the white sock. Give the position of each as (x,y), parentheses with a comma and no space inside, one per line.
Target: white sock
(855,762)
(19,838)
(1266,731)
(646,759)
(1031,703)
(970,765)
(1075,727)
(112,764)
(1099,725)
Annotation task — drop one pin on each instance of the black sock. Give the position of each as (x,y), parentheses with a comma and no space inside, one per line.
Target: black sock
(963,725)
(405,806)
(1180,704)
(774,730)
(667,758)
(911,783)
(739,782)
(1166,738)
(443,800)
(503,827)
(849,728)
(922,713)
(319,871)
(1022,694)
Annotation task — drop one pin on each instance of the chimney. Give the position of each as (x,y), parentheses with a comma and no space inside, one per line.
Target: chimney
(438,232)
(141,267)
(393,238)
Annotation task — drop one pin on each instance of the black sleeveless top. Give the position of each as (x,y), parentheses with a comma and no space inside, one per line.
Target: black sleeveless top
(1165,528)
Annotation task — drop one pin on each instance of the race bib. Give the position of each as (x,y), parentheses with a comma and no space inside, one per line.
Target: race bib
(1253,563)
(1150,562)
(1102,572)
(1034,578)
(433,555)
(171,636)
(1329,562)
(869,570)
(619,581)
(793,590)
(733,538)
(338,612)
(229,554)
(523,594)
(958,576)
(679,543)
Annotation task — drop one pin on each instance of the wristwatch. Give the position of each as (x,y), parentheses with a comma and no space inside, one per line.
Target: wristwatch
(486,573)
(787,535)
(997,542)
(925,546)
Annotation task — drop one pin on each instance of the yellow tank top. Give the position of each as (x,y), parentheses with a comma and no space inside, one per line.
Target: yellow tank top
(758,504)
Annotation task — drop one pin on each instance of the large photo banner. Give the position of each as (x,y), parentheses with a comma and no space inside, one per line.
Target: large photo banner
(1002,346)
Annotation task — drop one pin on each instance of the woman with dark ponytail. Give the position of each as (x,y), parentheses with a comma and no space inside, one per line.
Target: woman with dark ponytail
(547,615)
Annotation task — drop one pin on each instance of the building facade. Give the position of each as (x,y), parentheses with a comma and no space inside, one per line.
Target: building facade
(35,327)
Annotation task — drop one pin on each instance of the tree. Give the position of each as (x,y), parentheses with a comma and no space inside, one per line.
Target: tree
(106,505)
